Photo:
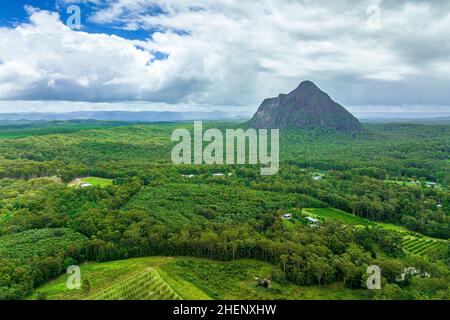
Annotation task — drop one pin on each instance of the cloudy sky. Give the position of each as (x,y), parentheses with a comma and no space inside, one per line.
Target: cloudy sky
(369,55)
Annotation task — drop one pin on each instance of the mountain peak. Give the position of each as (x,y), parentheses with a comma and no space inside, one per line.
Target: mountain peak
(307,85)
(306,106)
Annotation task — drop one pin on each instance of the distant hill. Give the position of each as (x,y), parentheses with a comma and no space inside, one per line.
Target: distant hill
(306,107)
(145,116)
(399,118)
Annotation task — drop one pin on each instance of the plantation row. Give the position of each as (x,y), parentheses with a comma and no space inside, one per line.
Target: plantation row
(420,246)
(146,285)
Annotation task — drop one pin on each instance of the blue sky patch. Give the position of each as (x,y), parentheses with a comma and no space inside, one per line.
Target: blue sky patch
(13,13)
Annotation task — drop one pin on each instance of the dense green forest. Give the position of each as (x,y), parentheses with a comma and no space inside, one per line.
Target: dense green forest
(392,173)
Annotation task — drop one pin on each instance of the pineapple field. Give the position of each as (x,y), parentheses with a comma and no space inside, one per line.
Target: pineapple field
(145,285)
(417,245)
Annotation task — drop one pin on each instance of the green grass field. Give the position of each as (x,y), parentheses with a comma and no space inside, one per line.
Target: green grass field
(95,181)
(191,279)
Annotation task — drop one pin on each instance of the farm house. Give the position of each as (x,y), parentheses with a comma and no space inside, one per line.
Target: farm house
(85,185)
(287,216)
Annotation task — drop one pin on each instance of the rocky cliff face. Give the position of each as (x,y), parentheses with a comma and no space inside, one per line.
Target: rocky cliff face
(306,107)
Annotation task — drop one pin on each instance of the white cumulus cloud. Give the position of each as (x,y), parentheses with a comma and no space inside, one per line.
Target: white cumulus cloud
(230,52)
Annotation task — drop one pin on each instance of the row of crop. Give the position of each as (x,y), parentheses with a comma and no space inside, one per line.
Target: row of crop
(127,288)
(117,288)
(409,241)
(142,291)
(411,234)
(435,244)
(420,246)
(156,289)
(146,285)
(110,292)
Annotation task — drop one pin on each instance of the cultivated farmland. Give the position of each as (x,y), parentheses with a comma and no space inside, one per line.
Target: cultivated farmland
(145,285)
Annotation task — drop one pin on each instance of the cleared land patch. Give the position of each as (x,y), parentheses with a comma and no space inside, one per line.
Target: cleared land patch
(95,181)
(337,215)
